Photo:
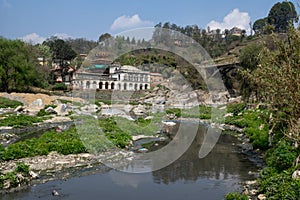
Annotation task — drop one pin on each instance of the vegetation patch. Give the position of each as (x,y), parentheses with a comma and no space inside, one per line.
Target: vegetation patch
(18,121)
(20,175)
(7,103)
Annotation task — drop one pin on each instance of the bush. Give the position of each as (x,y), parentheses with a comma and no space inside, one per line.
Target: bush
(282,156)
(43,112)
(175,111)
(22,168)
(59,86)
(279,185)
(19,120)
(235,196)
(7,103)
(236,108)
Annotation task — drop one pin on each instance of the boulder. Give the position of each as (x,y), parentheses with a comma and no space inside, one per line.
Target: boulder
(50,110)
(296,174)
(37,102)
(139,110)
(19,109)
(261,197)
(33,174)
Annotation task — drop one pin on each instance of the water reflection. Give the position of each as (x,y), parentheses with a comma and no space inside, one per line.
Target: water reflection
(222,163)
(189,177)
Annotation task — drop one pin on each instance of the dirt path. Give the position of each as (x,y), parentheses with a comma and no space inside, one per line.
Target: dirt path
(28,98)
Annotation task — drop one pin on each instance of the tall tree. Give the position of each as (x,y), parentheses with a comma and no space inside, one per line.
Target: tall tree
(259,25)
(17,66)
(277,78)
(61,50)
(281,15)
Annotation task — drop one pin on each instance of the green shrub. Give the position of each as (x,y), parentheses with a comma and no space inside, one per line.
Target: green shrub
(7,103)
(279,185)
(236,108)
(59,86)
(282,156)
(43,112)
(19,120)
(235,196)
(22,168)
(175,111)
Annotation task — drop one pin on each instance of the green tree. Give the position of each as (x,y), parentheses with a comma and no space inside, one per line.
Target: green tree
(104,37)
(17,66)
(61,50)
(277,78)
(281,15)
(260,25)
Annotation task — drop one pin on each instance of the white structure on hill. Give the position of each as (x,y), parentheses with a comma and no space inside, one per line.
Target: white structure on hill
(127,78)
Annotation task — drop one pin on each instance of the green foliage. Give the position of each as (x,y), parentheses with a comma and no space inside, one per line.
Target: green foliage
(22,168)
(61,50)
(12,177)
(236,196)
(18,68)
(201,112)
(7,103)
(282,156)
(236,108)
(67,142)
(279,185)
(43,112)
(282,15)
(19,120)
(59,86)
(276,80)
(259,25)
(175,111)
(256,127)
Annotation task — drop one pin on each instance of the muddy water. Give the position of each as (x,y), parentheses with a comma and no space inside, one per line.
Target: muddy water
(220,172)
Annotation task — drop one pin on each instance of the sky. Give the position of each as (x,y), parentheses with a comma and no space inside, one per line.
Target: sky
(35,20)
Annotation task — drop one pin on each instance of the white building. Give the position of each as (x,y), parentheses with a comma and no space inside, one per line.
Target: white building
(127,78)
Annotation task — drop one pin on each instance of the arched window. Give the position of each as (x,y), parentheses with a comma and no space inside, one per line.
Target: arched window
(125,86)
(130,86)
(146,87)
(100,85)
(87,84)
(141,86)
(112,86)
(106,85)
(135,86)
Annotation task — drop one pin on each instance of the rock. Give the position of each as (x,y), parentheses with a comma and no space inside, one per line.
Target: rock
(50,110)
(143,150)
(169,123)
(296,174)
(228,115)
(33,174)
(38,102)
(19,109)
(261,197)
(160,100)
(253,192)
(139,110)
(6,184)
(55,193)
(148,117)
(251,182)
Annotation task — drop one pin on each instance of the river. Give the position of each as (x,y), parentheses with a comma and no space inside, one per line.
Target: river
(189,177)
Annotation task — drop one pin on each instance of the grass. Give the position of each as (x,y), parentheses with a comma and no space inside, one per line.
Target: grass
(18,121)
(12,177)
(7,103)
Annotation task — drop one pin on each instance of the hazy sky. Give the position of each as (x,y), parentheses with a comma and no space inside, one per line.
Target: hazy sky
(37,20)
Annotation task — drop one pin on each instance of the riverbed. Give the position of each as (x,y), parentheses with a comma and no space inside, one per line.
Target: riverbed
(223,170)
